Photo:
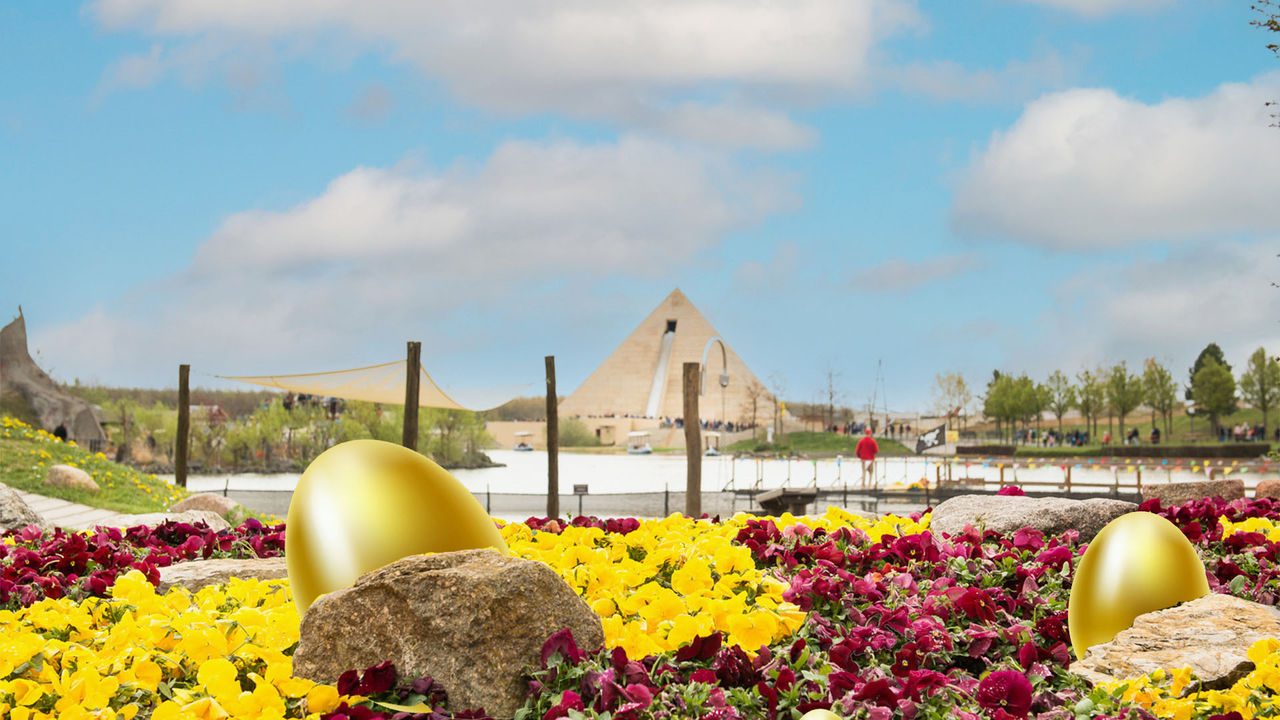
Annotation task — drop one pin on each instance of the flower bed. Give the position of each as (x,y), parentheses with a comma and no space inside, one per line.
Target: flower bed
(77,565)
(742,618)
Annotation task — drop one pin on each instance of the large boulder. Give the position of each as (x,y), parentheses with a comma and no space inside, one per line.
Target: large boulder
(72,478)
(474,620)
(218,504)
(197,574)
(1007,513)
(213,520)
(15,514)
(1211,635)
(1177,493)
(1268,488)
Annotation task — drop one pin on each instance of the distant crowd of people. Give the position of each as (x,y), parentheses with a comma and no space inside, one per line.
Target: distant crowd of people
(713,425)
(332,405)
(894,429)
(1245,433)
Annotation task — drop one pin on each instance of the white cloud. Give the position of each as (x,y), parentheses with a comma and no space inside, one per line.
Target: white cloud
(383,253)
(1087,168)
(1167,308)
(1017,81)
(599,60)
(901,276)
(1100,8)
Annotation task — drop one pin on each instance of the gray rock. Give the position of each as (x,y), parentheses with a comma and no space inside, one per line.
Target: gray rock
(1007,513)
(206,501)
(474,620)
(1171,494)
(200,573)
(15,514)
(73,478)
(213,520)
(1211,635)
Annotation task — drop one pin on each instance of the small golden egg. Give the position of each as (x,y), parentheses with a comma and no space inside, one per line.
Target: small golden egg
(364,504)
(1138,563)
(820,714)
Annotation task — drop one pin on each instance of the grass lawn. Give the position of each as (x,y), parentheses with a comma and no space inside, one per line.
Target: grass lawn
(26,454)
(819,444)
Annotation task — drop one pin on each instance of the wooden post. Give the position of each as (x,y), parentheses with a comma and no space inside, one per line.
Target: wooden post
(553,442)
(1068,478)
(412,376)
(692,441)
(184,426)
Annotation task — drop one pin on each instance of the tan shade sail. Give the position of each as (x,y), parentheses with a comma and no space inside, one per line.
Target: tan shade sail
(376,383)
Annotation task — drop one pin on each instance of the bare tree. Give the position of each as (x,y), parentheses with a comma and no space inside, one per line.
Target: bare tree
(757,395)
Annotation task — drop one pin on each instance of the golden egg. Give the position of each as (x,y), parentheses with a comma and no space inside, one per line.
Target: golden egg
(1138,564)
(820,714)
(366,503)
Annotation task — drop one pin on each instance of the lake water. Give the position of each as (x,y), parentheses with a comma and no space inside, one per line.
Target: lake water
(635,484)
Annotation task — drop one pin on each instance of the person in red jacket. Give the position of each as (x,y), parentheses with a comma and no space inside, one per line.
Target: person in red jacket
(866,451)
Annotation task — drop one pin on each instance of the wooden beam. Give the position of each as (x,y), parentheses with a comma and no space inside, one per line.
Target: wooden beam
(553,442)
(184,426)
(412,378)
(692,441)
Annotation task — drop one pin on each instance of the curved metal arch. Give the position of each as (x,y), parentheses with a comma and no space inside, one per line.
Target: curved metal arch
(724,360)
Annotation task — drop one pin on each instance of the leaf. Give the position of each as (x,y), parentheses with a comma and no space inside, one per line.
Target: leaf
(1237,584)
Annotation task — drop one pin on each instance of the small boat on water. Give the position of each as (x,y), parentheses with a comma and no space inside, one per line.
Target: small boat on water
(522,442)
(638,443)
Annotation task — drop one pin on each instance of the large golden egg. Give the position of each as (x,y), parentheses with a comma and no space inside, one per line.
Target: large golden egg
(367,503)
(1138,564)
(820,714)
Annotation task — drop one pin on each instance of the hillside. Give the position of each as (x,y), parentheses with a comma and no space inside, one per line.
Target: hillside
(27,452)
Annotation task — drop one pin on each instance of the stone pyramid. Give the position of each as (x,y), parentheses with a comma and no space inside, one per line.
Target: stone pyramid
(643,376)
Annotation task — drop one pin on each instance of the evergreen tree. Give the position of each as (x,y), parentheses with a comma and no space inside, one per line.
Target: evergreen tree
(1214,391)
(1210,351)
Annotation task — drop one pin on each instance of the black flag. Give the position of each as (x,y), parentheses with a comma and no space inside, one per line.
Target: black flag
(932,439)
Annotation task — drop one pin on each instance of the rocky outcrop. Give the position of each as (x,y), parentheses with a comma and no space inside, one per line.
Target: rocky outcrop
(15,514)
(70,478)
(1007,513)
(200,573)
(1211,635)
(474,620)
(1177,493)
(19,375)
(217,504)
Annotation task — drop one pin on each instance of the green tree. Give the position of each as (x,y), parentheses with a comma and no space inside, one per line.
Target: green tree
(997,400)
(1062,395)
(1210,352)
(1124,392)
(1159,392)
(1260,383)
(1091,398)
(1214,391)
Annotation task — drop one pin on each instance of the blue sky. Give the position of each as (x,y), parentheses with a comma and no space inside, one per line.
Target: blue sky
(1016,184)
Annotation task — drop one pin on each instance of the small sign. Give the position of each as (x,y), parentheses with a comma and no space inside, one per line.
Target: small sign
(579,489)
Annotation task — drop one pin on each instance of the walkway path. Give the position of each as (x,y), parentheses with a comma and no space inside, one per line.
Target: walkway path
(64,514)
